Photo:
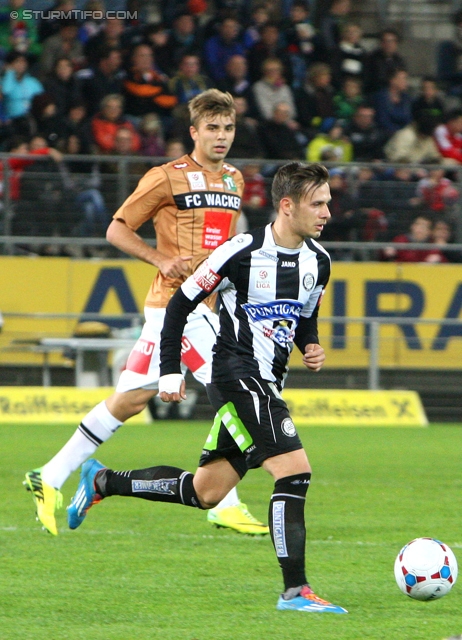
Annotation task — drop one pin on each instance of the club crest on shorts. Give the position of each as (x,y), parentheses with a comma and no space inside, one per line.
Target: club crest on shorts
(308,281)
(288,427)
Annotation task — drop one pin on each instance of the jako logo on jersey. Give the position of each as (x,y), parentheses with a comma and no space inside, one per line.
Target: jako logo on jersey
(268,255)
(140,357)
(277,310)
(182,165)
(196,180)
(286,263)
(205,277)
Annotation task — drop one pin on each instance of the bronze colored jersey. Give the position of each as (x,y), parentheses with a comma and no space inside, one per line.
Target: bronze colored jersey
(193,211)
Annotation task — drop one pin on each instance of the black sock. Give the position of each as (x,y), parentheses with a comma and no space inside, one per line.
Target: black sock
(287,527)
(161,484)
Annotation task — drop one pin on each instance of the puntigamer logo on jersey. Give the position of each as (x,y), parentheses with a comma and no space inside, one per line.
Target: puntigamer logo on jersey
(205,277)
(277,310)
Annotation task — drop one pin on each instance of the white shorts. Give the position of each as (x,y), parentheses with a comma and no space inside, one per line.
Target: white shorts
(142,367)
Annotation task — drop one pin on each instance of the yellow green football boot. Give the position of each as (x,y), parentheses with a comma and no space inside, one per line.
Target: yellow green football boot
(47,499)
(239,518)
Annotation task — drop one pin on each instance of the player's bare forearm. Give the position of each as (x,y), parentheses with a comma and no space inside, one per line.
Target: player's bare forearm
(128,241)
(314,357)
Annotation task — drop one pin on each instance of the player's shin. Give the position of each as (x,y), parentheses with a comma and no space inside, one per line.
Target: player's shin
(287,527)
(160,484)
(96,427)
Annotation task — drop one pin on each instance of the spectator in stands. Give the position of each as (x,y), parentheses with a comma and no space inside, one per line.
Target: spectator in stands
(64,44)
(398,198)
(368,189)
(272,89)
(436,192)
(383,61)
(174,149)
(315,98)
(94,24)
(268,47)
(348,99)
(330,144)
(51,18)
(20,146)
(448,137)
(247,143)
(46,121)
(449,59)
(109,37)
(429,102)
(156,37)
(105,77)
(124,142)
(182,39)
(41,193)
(419,231)
(63,85)
(301,40)
(347,59)
(255,197)
(258,17)
(219,48)
(79,125)
(17,34)
(152,138)
(18,87)
(393,104)
(414,144)
(108,122)
(331,24)
(279,135)
(442,236)
(146,89)
(365,136)
(82,181)
(344,220)
(237,81)
(180,127)
(189,81)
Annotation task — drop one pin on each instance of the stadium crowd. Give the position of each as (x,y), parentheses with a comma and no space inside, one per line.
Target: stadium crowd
(304,85)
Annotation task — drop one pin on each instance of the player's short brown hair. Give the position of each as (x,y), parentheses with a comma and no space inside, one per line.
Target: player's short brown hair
(295,180)
(209,104)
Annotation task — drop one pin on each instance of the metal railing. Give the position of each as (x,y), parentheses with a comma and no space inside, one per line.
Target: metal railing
(370,335)
(47,202)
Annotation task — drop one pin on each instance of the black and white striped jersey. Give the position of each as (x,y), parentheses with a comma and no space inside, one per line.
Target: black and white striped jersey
(269,301)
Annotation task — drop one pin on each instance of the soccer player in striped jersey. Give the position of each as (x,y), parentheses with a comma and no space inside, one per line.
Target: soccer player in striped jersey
(270,281)
(194,203)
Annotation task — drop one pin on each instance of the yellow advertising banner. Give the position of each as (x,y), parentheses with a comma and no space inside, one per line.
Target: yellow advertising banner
(57,405)
(353,408)
(389,291)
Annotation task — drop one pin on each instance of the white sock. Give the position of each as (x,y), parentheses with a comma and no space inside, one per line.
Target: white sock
(97,427)
(231,499)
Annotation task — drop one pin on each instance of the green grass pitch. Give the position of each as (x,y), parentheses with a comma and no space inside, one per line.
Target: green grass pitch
(137,570)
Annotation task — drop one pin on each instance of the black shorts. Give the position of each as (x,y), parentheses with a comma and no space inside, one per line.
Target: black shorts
(251,425)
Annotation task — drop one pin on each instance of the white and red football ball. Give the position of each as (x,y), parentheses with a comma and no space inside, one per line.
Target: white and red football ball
(425,569)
